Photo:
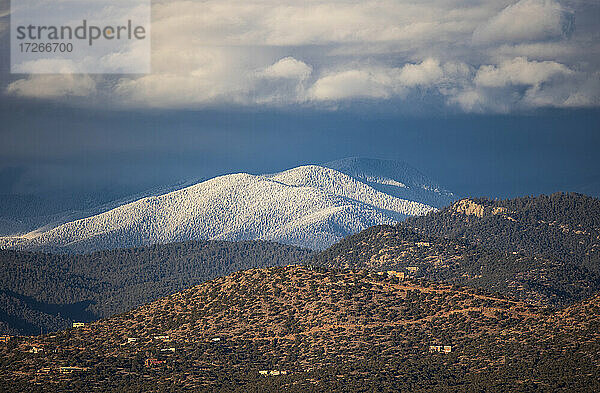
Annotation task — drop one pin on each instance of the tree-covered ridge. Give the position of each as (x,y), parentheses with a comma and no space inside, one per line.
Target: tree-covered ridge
(534,279)
(329,330)
(49,291)
(563,226)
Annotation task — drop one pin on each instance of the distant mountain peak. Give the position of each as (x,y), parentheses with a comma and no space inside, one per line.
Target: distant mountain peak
(310,206)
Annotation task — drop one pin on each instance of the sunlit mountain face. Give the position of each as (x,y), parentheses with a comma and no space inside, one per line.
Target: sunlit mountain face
(309,206)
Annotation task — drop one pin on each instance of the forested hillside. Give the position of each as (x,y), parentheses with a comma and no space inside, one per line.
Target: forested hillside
(49,291)
(534,279)
(297,329)
(562,226)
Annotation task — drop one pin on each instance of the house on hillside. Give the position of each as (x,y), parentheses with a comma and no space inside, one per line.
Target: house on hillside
(272,372)
(78,324)
(440,348)
(71,369)
(412,269)
(153,362)
(36,350)
(398,275)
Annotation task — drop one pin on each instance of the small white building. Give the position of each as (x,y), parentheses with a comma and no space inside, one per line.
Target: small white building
(36,350)
(398,275)
(78,324)
(272,372)
(440,348)
(71,369)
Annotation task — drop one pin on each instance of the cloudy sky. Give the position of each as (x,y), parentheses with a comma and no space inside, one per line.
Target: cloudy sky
(472,62)
(468,55)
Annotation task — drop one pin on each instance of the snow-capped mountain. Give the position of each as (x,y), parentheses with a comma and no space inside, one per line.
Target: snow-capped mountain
(311,206)
(395,178)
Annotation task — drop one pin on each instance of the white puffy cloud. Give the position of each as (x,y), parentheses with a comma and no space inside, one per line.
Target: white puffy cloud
(519,71)
(288,67)
(53,86)
(519,84)
(281,83)
(479,101)
(425,73)
(378,82)
(188,79)
(485,55)
(581,91)
(527,20)
(353,84)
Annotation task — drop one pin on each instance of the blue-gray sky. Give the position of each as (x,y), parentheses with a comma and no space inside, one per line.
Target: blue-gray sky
(488,97)
(48,147)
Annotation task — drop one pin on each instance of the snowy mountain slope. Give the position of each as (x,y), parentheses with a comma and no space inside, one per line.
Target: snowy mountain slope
(394,178)
(337,183)
(310,206)
(30,213)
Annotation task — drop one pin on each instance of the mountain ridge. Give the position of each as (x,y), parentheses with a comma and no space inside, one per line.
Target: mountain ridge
(308,206)
(394,177)
(562,226)
(544,249)
(535,280)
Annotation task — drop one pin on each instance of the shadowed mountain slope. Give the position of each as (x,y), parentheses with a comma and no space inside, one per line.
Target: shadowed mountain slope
(48,292)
